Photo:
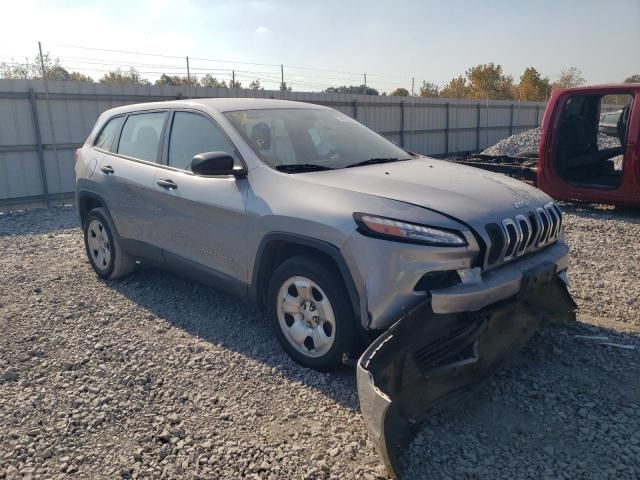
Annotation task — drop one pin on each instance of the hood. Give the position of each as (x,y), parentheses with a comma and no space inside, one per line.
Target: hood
(468,194)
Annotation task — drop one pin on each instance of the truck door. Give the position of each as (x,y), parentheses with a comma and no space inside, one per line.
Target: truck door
(593,147)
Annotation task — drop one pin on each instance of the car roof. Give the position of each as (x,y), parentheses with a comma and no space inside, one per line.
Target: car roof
(219,104)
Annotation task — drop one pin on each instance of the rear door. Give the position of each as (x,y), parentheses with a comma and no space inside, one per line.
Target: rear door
(129,174)
(202,222)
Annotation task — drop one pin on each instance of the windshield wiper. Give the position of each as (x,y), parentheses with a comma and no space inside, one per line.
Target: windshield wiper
(373,161)
(302,167)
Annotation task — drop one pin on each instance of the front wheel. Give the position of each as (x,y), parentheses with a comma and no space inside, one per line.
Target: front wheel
(310,313)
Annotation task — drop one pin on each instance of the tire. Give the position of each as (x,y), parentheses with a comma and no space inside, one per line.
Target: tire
(527,154)
(104,248)
(305,299)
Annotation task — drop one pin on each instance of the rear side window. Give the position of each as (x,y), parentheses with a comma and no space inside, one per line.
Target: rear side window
(108,134)
(140,136)
(192,134)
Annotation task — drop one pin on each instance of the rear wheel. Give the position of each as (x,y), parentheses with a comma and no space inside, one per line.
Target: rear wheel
(103,246)
(310,312)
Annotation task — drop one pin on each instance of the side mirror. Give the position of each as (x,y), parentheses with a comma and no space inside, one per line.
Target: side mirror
(214,163)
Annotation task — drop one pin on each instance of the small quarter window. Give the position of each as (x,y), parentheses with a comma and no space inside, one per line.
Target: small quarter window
(108,134)
(140,136)
(192,134)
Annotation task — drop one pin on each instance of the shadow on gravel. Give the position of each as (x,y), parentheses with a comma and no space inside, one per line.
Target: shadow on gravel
(223,320)
(566,406)
(37,221)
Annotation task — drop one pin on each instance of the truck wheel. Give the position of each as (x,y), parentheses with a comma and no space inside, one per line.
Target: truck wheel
(310,312)
(103,246)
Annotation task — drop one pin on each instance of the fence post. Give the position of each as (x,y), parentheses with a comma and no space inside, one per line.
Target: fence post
(355,109)
(446,133)
(402,124)
(36,130)
(478,127)
(511,121)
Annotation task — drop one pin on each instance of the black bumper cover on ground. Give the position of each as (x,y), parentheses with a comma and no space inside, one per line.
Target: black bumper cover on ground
(426,362)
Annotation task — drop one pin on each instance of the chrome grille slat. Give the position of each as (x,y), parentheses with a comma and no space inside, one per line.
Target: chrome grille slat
(522,234)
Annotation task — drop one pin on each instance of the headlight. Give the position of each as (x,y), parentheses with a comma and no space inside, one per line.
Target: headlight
(390,229)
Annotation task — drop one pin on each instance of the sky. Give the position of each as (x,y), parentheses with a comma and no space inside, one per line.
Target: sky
(329,42)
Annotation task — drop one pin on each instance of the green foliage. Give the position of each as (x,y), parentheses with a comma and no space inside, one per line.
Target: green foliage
(533,87)
(569,78)
(633,78)
(255,85)
(177,80)
(210,81)
(429,90)
(400,92)
(131,77)
(32,69)
(284,88)
(235,84)
(358,89)
(488,81)
(456,88)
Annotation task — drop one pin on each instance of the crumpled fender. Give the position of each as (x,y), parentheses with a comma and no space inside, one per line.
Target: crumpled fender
(426,362)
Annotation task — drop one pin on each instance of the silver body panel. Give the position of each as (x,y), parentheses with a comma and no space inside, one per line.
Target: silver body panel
(219,222)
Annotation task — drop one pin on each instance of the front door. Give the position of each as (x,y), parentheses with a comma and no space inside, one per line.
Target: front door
(202,223)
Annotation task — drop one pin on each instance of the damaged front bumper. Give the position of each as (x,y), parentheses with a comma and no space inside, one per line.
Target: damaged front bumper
(426,361)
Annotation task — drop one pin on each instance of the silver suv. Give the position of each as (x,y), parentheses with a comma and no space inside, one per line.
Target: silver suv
(344,239)
(330,228)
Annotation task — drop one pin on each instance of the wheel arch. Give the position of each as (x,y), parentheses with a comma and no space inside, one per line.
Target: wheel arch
(277,247)
(86,202)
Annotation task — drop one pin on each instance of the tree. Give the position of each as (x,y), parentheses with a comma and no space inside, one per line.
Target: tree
(255,85)
(400,92)
(456,88)
(284,88)
(210,81)
(358,89)
(569,78)
(33,69)
(177,80)
(488,81)
(235,84)
(131,77)
(633,78)
(533,86)
(429,90)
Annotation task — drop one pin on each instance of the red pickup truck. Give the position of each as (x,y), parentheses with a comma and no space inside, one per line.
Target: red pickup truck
(578,158)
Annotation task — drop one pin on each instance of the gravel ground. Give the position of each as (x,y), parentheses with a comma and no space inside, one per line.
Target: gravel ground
(153,376)
(530,140)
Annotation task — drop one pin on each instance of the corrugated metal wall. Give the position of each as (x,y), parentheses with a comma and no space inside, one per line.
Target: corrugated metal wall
(32,170)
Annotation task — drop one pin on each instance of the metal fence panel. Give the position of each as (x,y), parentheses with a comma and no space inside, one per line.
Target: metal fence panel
(31,170)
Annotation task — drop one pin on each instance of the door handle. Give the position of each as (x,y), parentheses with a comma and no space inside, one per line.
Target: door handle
(107,170)
(167,184)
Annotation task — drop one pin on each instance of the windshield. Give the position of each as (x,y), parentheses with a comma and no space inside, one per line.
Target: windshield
(311,139)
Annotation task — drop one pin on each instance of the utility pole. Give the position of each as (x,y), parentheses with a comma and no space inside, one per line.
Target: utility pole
(233,78)
(188,78)
(413,81)
(365,83)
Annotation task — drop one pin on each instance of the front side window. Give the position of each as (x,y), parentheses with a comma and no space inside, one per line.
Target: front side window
(108,134)
(140,136)
(192,134)
(324,138)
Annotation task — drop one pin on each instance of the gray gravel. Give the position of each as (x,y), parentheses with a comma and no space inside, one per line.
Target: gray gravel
(530,140)
(153,376)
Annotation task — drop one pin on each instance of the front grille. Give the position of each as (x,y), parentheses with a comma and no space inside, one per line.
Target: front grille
(514,237)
